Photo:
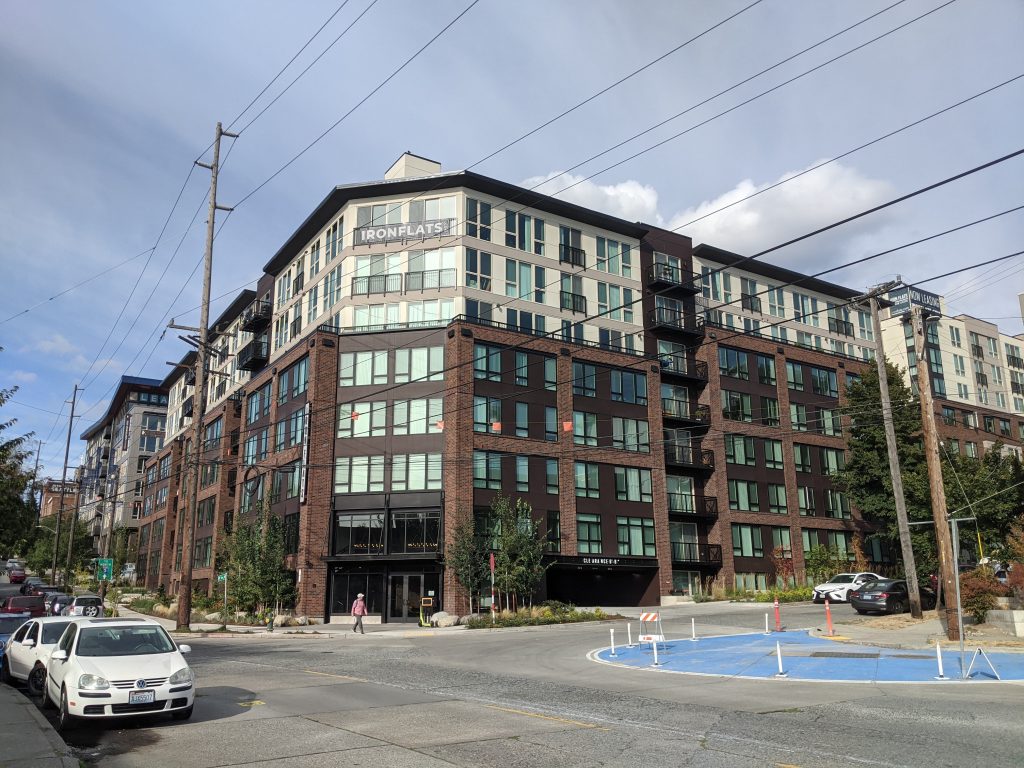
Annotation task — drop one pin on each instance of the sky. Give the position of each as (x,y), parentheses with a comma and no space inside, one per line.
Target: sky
(104,107)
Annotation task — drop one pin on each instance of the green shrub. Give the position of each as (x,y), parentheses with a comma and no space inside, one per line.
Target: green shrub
(526,617)
(797,595)
(143,605)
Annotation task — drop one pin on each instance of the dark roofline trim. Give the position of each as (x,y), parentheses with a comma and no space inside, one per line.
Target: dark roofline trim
(757,267)
(520,196)
(127,384)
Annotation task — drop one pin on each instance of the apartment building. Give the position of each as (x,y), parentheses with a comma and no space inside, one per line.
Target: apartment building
(55,493)
(117,448)
(422,343)
(976,373)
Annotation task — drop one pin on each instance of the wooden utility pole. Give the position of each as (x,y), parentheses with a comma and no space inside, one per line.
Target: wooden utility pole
(943,539)
(68,570)
(63,483)
(35,481)
(188,525)
(906,545)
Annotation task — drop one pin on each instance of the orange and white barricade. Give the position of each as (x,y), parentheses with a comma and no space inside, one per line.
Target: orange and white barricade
(650,628)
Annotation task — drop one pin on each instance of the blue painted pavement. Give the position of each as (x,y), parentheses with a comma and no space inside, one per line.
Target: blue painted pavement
(809,658)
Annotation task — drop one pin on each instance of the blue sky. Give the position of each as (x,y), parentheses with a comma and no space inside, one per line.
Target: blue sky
(105,106)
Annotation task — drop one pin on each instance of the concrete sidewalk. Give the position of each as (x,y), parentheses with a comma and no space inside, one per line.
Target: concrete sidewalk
(28,739)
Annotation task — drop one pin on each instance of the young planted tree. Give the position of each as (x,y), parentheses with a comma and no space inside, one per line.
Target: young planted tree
(518,561)
(253,555)
(466,556)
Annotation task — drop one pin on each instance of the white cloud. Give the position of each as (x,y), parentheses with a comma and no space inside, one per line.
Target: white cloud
(799,205)
(23,377)
(628,199)
(53,345)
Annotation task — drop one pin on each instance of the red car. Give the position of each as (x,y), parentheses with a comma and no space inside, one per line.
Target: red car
(32,604)
(16,575)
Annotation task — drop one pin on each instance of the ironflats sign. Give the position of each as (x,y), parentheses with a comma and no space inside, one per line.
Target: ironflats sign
(413,230)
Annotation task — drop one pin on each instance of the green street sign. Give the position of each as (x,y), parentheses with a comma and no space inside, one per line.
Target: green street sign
(222,577)
(104,569)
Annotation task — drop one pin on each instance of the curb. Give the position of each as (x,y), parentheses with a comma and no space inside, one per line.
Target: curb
(62,752)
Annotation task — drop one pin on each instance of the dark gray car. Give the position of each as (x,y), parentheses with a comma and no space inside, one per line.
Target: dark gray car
(887,596)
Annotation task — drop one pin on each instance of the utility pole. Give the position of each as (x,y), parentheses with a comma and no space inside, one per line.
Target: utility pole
(906,545)
(63,483)
(938,492)
(188,529)
(71,539)
(35,480)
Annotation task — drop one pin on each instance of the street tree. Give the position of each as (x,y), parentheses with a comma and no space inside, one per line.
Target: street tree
(466,556)
(17,513)
(253,555)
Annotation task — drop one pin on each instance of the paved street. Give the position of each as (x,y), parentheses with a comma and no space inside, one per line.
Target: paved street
(529,697)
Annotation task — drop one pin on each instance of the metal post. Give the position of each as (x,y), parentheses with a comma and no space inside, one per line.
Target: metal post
(766,630)
(199,395)
(693,629)
(938,658)
(778,655)
(63,483)
(906,545)
(938,491)
(611,630)
(956,577)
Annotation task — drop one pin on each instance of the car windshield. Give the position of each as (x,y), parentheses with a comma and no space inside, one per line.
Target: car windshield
(123,641)
(9,624)
(87,601)
(53,630)
(842,578)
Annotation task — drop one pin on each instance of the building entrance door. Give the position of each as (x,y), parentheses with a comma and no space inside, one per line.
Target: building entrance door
(404,593)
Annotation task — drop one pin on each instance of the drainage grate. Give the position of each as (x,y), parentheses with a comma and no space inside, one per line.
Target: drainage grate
(843,655)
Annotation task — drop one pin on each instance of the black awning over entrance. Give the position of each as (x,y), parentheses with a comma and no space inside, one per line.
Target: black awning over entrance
(603,581)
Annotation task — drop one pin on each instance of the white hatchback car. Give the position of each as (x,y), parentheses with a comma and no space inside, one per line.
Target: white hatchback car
(838,587)
(28,650)
(116,668)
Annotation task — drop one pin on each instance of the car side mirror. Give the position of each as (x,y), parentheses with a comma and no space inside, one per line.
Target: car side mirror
(28,642)
(185,648)
(59,656)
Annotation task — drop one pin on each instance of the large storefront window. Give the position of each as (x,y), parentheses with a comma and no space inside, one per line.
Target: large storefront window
(345,586)
(359,534)
(414,532)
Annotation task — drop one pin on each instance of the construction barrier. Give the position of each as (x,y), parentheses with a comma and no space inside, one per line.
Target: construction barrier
(650,628)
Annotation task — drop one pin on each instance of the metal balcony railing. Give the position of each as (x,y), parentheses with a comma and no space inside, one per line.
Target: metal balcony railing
(253,355)
(750,303)
(841,327)
(573,302)
(569,254)
(257,316)
(680,409)
(677,319)
(689,456)
(673,276)
(430,280)
(365,286)
(705,554)
(687,504)
(681,365)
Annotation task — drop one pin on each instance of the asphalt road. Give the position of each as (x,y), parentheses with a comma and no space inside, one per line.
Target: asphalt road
(530,698)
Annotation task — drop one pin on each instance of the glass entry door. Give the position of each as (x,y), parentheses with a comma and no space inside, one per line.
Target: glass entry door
(404,593)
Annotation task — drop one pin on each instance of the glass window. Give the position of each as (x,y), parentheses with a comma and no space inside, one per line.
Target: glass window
(550,423)
(584,379)
(746,541)
(795,376)
(419,364)
(551,475)
(633,484)
(522,473)
(359,474)
(631,434)
(522,420)
(770,411)
(629,387)
(359,534)
(802,457)
(417,417)
(361,368)
(824,382)
(798,416)
(636,536)
(361,419)
(733,363)
(588,534)
(766,369)
(478,219)
(736,406)
(550,368)
(773,454)
(587,483)
(739,449)
(743,496)
(777,499)
(414,532)
(416,472)
(487,470)
(584,428)
(487,362)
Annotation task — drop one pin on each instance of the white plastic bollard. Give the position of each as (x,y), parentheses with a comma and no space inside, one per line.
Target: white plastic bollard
(629,635)
(613,654)
(778,654)
(766,630)
(693,629)
(938,657)
(654,644)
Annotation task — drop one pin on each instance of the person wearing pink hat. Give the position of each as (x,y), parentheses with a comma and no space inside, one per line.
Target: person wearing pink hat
(359,610)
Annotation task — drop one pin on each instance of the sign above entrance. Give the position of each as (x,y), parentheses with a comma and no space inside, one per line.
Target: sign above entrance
(413,230)
(613,562)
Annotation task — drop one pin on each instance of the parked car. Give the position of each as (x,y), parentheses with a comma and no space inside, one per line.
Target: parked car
(118,667)
(42,589)
(888,596)
(13,563)
(28,582)
(31,604)
(836,588)
(84,605)
(57,605)
(28,650)
(9,623)
(16,575)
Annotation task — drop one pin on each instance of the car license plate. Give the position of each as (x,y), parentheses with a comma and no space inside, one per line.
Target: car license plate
(141,697)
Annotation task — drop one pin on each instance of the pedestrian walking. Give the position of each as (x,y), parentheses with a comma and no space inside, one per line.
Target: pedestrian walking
(359,610)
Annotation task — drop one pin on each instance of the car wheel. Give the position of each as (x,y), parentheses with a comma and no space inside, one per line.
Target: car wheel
(896,606)
(183,714)
(37,682)
(5,675)
(65,720)
(91,610)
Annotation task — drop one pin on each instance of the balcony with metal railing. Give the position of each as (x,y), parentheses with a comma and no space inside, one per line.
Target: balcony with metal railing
(573,302)
(672,276)
(569,254)
(690,456)
(977,351)
(682,410)
(430,279)
(703,554)
(253,355)
(257,316)
(750,303)
(676,320)
(370,284)
(690,505)
(681,365)
(841,327)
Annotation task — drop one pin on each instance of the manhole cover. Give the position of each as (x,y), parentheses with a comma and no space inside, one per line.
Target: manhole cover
(843,655)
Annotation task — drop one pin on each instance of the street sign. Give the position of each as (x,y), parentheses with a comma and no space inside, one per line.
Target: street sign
(104,569)
(222,577)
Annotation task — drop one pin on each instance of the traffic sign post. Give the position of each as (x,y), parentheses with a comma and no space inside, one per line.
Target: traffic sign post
(104,569)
